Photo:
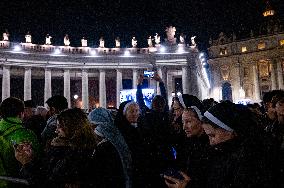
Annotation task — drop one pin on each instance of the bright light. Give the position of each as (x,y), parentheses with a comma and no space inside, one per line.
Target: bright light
(203,59)
(93,52)
(127,53)
(180,49)
(17,48)
(57,51)
(173,94)
(201,55)
(162,49)
(178,93)
(76,96)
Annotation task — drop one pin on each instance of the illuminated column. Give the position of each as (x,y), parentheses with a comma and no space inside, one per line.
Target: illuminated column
(256,83)
(47,85)
(134,79)
(28,84)
(85,90)
(118,86)
(236,81)
(280,74)
(185,80)
(6,83)
(273,76)
(102,89)
(162,72)
(67,86)
(170,88)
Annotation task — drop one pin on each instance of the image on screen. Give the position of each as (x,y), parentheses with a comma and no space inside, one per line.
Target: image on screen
(130,94)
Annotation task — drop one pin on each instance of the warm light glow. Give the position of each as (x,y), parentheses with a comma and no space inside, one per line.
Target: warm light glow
(127,53)
(261,46)
(268,13)
(76,96)
(17,48)
(242,93)
(282,42)
(244,49)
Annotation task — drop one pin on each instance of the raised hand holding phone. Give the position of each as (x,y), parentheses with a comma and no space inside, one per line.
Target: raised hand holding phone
(24,153)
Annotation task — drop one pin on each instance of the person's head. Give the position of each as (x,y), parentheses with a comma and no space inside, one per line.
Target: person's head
(278,105)
(269,104)
(12,107)
(29,107)
(74,126)
(177,107)
(192,125)
(218,123)
(158,103)
(131,112)
(41,110)
(56,104)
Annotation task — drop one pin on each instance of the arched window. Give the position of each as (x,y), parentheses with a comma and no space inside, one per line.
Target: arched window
(226,91)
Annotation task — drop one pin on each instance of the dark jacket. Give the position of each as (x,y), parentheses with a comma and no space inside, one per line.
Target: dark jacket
(60,167)
(236,164)
(107,167)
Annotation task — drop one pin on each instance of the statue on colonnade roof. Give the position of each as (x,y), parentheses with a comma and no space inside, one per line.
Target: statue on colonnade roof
(6,35)
(134,42)
(193,43)
(102,43)
(171,31)
(117,42)
(48,39)
(84,42)
(28,38)
(157,39)
(66,40)
(150,41)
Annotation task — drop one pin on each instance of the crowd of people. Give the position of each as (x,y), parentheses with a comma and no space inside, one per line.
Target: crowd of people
(190,144)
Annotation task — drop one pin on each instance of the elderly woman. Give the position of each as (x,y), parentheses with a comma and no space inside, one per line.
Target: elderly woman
(112,156)
(68,163)
(238,158)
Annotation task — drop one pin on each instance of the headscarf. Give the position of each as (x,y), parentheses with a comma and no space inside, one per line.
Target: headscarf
(102,118)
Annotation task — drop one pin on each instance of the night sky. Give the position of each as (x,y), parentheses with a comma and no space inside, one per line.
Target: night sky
(127,18)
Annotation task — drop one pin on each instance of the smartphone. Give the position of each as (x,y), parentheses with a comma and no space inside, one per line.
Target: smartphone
(149,74)
(173,173)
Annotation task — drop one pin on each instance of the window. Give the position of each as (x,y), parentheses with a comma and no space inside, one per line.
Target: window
(244,49)
(282,42)
(261,46)
(223,51)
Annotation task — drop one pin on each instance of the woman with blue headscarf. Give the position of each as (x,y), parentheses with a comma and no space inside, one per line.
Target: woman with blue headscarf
(112,156)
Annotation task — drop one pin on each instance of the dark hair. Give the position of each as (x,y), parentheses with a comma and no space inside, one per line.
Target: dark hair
(277,98)
(11,107)
(158,103)
(267,97)
(58,102)
(78,129)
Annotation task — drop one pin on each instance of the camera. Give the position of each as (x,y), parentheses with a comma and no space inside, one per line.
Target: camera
(149,74)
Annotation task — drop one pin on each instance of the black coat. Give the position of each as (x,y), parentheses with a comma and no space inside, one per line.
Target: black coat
(236,164)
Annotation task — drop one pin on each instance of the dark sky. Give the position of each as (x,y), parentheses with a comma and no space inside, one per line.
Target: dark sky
(126,18)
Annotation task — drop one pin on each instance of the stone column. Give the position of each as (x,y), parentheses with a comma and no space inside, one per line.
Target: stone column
(28,84)
(280,74)
(163,74)
(185,80)
(134,78)
(6,83)
(170,88)
(85,90)
(273,76)
(47,85)
(256,84)
(67,86)
(118,86)
(102,89)
(236,81)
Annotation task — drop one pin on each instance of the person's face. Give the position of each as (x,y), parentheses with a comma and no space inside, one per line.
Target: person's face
(217,135)
(177,109)
(28,112)
(60,130)
(270,111)
(191,124)
(132,113)
(280,112)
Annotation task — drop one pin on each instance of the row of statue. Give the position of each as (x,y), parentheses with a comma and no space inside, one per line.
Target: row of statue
(170,39)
